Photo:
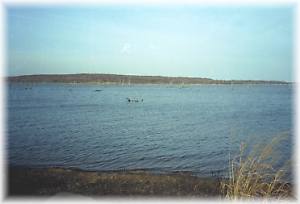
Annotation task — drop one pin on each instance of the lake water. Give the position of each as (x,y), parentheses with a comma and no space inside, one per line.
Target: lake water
(175,128)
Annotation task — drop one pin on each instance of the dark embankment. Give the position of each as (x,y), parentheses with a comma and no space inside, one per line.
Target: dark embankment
(127,79)
(51,181)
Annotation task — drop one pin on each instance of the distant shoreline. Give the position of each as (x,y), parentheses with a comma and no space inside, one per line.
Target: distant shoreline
(128,79)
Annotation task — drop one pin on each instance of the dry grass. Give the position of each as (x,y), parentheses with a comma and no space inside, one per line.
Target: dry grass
(253,176)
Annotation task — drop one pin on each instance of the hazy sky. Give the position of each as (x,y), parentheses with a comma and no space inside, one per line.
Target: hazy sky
(240,42)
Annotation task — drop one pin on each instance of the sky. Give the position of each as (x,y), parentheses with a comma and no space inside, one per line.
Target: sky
(219,42)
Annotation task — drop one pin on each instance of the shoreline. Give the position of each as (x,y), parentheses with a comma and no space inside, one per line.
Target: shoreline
(131,79)
(24,181)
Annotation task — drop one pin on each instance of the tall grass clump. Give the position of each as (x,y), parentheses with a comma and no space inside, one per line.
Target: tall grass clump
(252,175)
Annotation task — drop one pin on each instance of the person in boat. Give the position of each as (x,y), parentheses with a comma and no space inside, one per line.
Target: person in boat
(134,100)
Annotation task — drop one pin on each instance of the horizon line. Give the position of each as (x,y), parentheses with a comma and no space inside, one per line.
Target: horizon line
(137,75)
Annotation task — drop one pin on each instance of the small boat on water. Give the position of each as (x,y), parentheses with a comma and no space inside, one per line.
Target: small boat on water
(134,100)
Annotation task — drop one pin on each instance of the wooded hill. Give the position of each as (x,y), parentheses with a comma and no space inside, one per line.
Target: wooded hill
(127,79)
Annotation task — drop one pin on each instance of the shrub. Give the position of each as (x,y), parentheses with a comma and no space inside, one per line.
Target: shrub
(253,176)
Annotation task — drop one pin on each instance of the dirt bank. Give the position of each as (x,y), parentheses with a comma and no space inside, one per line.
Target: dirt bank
(52,181)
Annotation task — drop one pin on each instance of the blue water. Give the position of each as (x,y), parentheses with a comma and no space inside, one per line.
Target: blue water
(175,128)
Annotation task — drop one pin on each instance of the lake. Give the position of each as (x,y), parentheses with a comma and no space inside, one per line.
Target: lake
(175,128)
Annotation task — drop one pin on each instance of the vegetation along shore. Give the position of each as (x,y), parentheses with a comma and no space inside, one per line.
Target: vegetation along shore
(57,181)
(127,79)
